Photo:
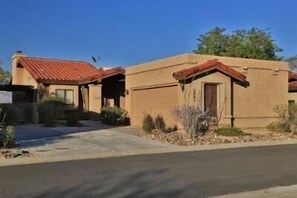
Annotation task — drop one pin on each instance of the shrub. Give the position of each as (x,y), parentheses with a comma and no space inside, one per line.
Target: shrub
(7,133)
(73,117)
(171,129)
(230,131)
(278,127)
(148,123)
(50,110)
(83,115)
(113,116)
(287,121)
(11,113)
(7,137)
(160,123)
(194,120)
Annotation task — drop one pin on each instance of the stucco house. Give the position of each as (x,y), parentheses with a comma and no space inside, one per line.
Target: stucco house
(78,83)
(242,92)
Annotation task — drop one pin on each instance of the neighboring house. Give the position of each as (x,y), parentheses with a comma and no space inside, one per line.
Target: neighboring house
(78,83)
(292,87)
(241,92)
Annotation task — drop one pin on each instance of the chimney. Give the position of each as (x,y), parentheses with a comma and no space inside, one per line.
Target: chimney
(15,73)
(18,54)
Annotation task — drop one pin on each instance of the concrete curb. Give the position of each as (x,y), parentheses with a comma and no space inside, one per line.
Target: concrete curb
(274,192)
(131,152)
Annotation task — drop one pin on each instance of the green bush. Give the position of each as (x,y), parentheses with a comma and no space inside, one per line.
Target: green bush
(113,116)
(10,113)
(160,123)
(7,137)
(83,115)
(230,131)
(50,110)
(148,123)
(73,117)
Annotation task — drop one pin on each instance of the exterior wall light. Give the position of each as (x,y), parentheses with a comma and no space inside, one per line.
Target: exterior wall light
(275,71)
(245,69)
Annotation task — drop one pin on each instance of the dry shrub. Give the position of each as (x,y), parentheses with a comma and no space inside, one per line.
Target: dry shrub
(287,121)
(160,123)
(148,123)
(194,120)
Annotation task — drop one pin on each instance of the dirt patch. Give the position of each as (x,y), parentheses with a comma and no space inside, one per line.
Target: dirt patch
(181,138)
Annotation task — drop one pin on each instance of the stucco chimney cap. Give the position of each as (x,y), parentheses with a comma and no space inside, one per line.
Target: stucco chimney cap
(18,53)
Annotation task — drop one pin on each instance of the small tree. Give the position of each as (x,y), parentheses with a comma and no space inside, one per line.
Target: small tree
(244,43)
(5,76)
(292,63)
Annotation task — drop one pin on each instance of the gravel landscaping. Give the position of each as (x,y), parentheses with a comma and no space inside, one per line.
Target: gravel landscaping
(180,138)
(14,153)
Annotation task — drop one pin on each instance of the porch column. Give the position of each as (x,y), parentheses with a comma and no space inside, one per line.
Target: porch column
(95,92)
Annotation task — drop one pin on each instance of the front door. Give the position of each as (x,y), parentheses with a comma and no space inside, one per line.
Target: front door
(210,99)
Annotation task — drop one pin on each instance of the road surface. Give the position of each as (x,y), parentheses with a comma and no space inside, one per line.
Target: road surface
(183,174)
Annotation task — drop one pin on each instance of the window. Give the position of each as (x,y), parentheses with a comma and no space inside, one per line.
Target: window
(66,95)
(291,102)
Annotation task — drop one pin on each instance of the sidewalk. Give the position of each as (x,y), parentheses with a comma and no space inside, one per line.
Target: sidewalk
(275,192)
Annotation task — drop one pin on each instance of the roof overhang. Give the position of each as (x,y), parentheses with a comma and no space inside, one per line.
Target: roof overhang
(16,88)
(209,66)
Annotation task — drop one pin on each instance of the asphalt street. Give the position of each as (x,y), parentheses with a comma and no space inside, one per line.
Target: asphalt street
(182,174)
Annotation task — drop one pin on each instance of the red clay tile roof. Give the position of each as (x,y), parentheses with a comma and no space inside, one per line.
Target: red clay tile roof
(293,86)
(66,71)
(292,76)
(292,81)
(106,73)
(206,67)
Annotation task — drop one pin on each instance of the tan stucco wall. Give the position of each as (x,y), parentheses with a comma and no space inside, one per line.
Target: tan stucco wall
(20,76)
(293,96)
(95,98)
(252,105)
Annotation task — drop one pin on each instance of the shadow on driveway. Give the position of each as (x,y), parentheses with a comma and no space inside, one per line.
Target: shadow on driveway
(34,131)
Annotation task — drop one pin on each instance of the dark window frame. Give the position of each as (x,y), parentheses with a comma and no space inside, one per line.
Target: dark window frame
(64,98)
(291,102)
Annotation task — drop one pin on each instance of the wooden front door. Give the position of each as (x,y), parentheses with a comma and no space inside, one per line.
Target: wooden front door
(210,99)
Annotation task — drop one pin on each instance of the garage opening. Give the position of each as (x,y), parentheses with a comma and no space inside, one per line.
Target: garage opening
(154,101)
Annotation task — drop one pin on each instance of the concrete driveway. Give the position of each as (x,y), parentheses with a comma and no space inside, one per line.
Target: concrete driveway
(72,142)
(33,131)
